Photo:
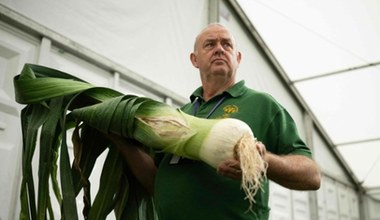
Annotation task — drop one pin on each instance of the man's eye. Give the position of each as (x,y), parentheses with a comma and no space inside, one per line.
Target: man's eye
(209,45)
(227,45)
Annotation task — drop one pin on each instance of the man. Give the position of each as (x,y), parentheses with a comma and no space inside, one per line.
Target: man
(186,189)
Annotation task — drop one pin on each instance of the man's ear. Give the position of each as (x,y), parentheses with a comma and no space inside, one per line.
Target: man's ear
(238,56)
(193,59)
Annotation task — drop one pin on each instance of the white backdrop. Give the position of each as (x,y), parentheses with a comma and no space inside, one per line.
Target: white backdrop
(150,37)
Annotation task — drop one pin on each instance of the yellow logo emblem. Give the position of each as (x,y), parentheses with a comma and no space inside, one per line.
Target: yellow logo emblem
(228,110)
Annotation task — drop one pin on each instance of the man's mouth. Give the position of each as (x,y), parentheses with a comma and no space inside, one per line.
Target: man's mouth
(218,61)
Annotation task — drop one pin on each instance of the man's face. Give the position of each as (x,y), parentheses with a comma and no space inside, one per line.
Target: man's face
(215,54)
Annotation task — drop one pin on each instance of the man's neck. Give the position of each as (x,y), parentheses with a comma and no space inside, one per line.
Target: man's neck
(211,90)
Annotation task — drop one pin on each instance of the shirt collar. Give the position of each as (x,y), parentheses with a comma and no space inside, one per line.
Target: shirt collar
(234,91)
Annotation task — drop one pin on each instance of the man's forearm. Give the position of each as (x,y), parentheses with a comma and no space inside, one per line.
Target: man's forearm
(293,171)
(139,162)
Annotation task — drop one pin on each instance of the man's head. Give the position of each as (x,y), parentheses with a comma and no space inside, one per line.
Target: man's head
(215,54)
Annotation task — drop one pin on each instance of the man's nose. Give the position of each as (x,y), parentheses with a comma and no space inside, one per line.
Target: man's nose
(219,50)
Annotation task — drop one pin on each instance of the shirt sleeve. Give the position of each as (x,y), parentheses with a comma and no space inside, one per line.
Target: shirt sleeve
(283,136)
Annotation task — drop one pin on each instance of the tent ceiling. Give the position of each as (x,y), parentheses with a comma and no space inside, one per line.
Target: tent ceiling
(330,50)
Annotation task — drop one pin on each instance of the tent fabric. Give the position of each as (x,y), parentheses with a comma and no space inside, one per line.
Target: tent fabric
(331,52)
(129,33)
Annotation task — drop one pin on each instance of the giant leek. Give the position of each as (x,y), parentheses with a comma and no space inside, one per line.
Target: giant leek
(70,102)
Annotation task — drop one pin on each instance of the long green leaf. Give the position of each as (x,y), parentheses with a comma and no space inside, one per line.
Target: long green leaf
(48,145)
(69,208)
(90,143)
(38,87)
(30,89)
(109,183)
(32,117)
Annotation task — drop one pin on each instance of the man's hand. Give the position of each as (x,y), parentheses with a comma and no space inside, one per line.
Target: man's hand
(231,167)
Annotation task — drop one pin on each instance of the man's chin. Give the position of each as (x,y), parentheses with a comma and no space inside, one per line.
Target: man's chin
(221,71)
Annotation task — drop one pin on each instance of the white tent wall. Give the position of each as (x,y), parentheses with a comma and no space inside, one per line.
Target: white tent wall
(144,57)
(161,35)
(329,51)
(15,49)
(287,204)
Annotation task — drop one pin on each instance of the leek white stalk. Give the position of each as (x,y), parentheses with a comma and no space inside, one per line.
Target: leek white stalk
(212,141)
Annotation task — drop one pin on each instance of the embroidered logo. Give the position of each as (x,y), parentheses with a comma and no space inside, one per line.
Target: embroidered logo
(228,110)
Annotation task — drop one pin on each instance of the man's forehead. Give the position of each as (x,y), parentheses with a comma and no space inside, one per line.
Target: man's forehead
(217,38)
(215,34)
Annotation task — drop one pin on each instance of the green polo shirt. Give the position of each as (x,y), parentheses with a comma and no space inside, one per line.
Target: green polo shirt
(192,190)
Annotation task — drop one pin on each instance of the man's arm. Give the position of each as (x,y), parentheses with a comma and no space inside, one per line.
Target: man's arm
(139,162)
(291,171)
